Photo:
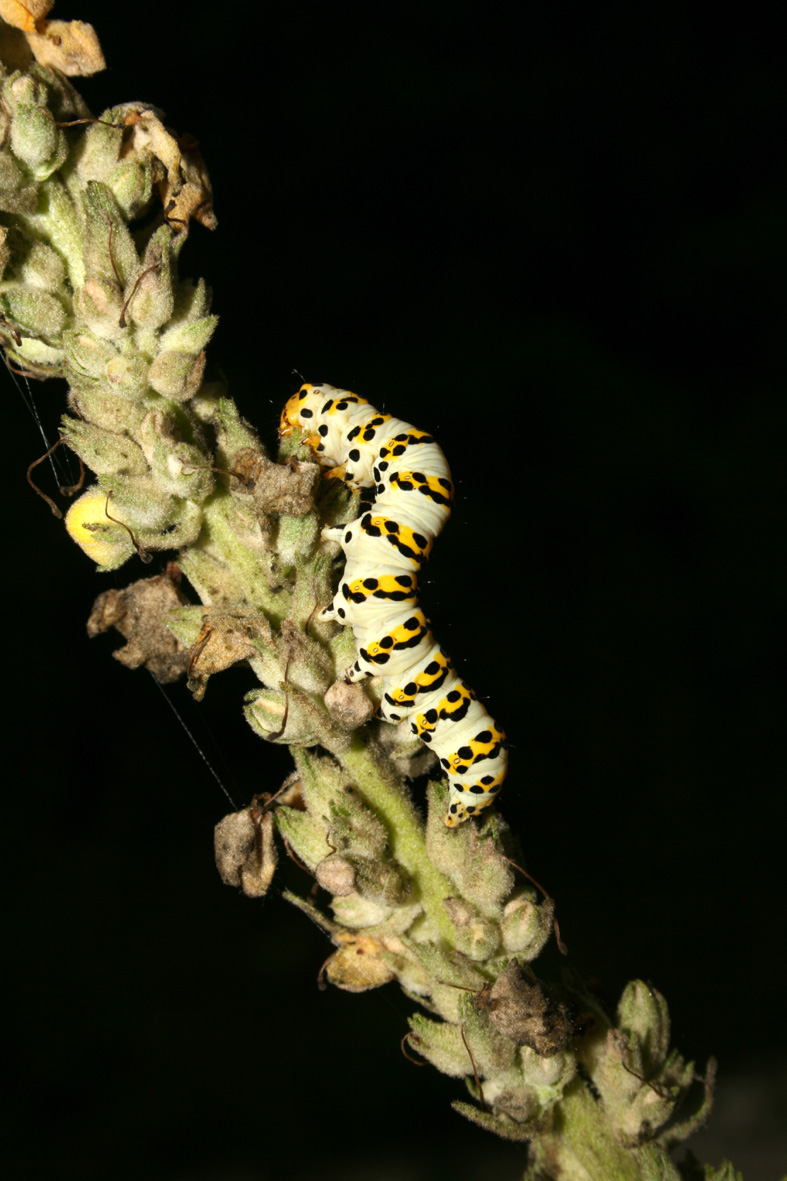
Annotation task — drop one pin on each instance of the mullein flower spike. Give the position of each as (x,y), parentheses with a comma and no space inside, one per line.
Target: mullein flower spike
(91,293)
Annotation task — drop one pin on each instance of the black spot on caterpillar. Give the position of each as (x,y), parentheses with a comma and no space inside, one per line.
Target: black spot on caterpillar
(377,596)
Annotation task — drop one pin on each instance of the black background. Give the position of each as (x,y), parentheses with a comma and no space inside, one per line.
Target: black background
(559,242)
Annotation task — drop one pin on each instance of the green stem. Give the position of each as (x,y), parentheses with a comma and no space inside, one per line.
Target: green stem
(582,1145)
(385,793)
(251,574)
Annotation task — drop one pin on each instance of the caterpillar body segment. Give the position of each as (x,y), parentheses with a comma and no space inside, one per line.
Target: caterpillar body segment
(385,541)
(378,592)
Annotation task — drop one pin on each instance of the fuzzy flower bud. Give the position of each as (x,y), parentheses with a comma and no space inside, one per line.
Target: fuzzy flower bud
(546,1073)
(643,1017)
(440,1042)
(381,882)
(106,452)
(336,875)
(476,938)
(305,834)
(42,267)
(127,375)
(177,375)
(526,926)
(35,311)
(276,718)
(348,705)
(150,302)
(36,140)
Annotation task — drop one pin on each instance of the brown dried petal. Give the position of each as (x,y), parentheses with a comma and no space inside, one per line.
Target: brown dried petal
(278,488)
(522,1009)
(357,966)
(138,613)
(245,852)
(69,46)
(225,639)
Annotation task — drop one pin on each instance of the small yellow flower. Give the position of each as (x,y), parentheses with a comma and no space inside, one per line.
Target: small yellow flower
(102,539)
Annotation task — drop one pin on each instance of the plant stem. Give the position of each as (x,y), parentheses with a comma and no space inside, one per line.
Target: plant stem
(583,1146)
(386,793)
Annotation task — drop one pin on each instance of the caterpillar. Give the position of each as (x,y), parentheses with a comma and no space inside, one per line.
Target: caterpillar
(378,593)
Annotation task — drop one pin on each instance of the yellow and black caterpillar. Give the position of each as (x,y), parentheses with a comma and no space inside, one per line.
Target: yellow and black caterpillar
(378,593)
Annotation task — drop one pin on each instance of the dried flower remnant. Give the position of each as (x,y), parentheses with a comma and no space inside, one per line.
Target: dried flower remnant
(523,1009)
(139,612)
(246,854)
(72,47)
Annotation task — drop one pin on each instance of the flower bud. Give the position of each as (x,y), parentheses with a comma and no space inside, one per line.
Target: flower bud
(336,875)
(643,1017)
(440,1042)
(356,830)
(192,302)
(17,194)
(492,1051)
(305,834)
(177,375)
(37,141)
(478,940)
(150,300)
(103,451)
(34,311)
(297,537)
(100,303)
(325,786)
(109,250)
(127,374)
(519,1103)
(158,520)
(348,705)
(180,468)
(381,881)
(189,337)
(99,149)
(277,718)
(547,1073)
(104,409)
(86,355)
(471,860)
(43,267)
(452,979)
(527,926)
(131,184)
(358,913)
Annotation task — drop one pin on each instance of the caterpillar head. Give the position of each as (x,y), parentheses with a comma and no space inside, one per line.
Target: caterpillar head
(307,399)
